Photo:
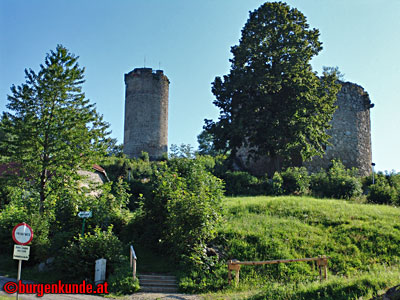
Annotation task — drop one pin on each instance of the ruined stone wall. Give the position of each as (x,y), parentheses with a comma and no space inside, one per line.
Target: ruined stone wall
(146,113)
(350,137)
(351,132)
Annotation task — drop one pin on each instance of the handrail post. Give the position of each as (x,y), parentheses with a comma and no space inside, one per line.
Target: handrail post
(134,269)
(132,258)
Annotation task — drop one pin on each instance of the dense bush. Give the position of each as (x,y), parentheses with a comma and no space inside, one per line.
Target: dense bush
(241,183)
(382,193)
(184,210)
(121,281)
(205,280)
(295,181)
(338,182)
(77,260)
(24,207)
(385,190)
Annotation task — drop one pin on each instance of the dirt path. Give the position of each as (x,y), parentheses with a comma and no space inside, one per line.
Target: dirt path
(137,296)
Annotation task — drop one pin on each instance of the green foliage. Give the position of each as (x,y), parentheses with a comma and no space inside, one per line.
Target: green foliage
(54,128)
(385,190)
(121,281)
(338,182)
(77,260)
(182,151)
(185,208)
(24,207)
(207,280)
(295,181)
(277,184)
(271,101)
(362,241)
(363,286)
(355,236)
(241,183)
(382,193)
(206,144)
(175,204)
(10,216)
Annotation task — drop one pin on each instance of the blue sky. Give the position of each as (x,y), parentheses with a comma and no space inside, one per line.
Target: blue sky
(190,41)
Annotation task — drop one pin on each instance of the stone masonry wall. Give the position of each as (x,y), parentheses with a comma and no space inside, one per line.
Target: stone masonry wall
(146,113)
(351,132)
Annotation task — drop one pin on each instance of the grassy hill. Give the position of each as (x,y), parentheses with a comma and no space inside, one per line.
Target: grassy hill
(363,242)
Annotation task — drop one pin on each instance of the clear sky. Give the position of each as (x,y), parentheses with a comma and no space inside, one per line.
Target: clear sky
(190,41)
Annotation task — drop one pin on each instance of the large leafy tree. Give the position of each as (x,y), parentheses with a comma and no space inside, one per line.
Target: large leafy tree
(55,130)
(271,102)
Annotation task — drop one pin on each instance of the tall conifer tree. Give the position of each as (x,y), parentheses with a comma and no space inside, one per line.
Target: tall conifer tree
(55,130)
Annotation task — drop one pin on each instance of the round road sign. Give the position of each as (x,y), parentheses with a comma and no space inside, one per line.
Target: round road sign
(22,234)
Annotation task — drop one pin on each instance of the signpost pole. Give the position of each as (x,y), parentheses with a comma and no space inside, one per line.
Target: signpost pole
(84,215)
(83,226)
(22,235)
(19,274)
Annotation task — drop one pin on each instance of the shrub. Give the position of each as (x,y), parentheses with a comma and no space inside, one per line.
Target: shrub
(184,209)
(78,259)
(295,181)
(9,217)
(241,183)
(276,184)
(337,182)
(200,281)
(121,281)
(382,193)
(386,189)
(15,213)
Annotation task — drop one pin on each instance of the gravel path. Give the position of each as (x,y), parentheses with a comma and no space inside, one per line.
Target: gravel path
(137,296)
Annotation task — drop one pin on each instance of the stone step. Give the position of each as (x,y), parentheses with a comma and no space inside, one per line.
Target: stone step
(157,277)
(156,289)
(158,283)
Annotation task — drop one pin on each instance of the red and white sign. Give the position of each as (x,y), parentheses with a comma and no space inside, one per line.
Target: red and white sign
(22,234)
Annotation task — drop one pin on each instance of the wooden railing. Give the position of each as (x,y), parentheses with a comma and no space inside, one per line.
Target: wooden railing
(234,265)
(133,258)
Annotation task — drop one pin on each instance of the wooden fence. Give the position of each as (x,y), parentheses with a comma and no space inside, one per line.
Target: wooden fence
(234,265)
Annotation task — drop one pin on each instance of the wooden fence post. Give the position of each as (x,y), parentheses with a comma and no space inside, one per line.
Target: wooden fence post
(231,267)
(237,275)
(229,272)
(322,262)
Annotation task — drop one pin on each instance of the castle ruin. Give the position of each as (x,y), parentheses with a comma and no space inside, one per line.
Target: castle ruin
(350,132)
(146,125)
(146,113)
(350,137)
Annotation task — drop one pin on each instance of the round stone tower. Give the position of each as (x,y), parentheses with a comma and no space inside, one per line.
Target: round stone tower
(146,113)
(350,133)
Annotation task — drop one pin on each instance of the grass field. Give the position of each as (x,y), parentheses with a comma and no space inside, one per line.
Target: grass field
(363,242)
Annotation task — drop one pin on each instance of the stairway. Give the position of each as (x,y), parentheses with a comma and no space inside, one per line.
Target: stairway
(158,283)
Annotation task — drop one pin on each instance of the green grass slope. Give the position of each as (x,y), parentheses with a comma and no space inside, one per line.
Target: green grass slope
(361,240)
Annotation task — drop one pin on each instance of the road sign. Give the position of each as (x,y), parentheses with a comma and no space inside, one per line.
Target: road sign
(21,252)
(22,234)
(85,214)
